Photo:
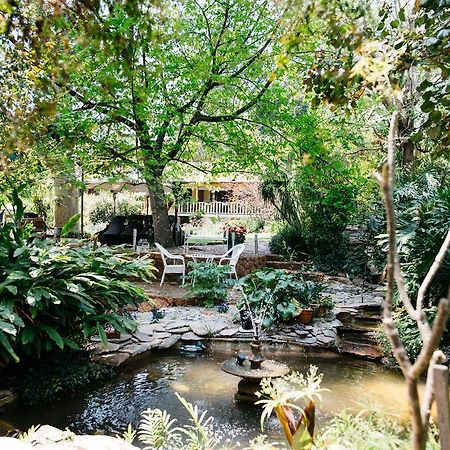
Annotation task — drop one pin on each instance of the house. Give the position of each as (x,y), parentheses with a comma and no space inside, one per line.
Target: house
(225,197)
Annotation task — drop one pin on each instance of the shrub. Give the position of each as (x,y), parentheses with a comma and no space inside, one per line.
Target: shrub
(288,242)
(317,200)
(55,296)
(208,283)
(103,210)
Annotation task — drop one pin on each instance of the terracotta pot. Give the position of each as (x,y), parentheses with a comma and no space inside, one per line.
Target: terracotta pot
(305,317)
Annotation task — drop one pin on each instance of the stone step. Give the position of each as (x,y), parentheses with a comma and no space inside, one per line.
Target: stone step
(363,350)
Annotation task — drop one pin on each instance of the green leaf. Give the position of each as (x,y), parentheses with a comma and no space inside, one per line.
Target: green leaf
(12,289)
(53,335)
(4,341)
(70,224)
(8,327)
(102,334)
(427,106)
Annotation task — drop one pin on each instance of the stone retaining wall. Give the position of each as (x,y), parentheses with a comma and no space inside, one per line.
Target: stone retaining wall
(247,264)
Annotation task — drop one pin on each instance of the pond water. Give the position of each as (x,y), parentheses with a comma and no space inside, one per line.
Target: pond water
(153,382)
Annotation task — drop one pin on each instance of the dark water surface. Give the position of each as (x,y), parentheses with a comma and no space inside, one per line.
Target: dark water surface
(153,382)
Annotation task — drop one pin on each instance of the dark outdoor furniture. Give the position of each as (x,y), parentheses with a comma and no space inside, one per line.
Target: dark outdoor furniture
(120,229)
(111,234)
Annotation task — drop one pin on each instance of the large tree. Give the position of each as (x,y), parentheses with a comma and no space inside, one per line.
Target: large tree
(156,86)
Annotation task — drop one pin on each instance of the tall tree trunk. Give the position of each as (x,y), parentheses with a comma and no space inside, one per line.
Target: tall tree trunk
(161,225)
(66,201)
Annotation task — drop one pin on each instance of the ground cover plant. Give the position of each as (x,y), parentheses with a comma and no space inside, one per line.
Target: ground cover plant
(208,282)
(55,296)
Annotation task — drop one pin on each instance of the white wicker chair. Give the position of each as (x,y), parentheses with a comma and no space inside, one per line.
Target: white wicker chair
(231,257)
(171,267)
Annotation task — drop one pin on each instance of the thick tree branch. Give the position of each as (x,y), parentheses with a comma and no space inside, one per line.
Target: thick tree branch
(200,117)
(102,107)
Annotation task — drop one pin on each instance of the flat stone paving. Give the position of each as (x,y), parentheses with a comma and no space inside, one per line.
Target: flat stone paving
(183,325)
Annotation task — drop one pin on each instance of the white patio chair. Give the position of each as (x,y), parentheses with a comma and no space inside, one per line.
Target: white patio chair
(231,257)
(171,267)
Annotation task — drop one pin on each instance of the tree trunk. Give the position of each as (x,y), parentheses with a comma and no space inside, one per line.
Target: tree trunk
(66,201)
(161,225)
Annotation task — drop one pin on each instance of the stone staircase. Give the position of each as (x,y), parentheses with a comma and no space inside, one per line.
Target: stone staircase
(356,335)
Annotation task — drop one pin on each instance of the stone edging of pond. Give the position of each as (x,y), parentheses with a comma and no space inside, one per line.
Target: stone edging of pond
(184,325)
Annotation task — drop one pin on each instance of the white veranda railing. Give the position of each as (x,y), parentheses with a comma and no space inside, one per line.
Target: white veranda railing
(220,209)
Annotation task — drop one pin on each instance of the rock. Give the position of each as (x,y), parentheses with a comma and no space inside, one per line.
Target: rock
(112,359)
(161,335)
(121,339)
(172,340)
(150,329)
(136,349)
(227,332)
(301,333)
(177,324)
(325,340)
(98,349)
(199,328)
(190,336)
(329,333)
(142,337)
(307,341)
(180,330)
(155,343)
(216,327)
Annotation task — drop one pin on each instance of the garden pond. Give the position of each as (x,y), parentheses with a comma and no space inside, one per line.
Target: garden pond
(351,384)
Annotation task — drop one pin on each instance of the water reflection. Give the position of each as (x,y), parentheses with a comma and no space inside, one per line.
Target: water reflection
(153,384)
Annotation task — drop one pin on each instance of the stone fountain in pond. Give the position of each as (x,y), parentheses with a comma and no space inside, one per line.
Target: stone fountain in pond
(254,367)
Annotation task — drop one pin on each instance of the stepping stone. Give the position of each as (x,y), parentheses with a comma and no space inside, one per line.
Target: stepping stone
(324,340)
(229,332)
(180,330)
(329,333)
(216,327)
(154,343)
(141,337)
(161,335)
(177,324)
(301,333)
(172,340)
(308,341)
(112,359)
(121,339)
(199,328)
(150,329)
(135,349)
(191,337)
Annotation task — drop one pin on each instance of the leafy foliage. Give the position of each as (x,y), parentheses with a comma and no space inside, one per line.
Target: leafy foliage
(423,220)
(408,332)
(156,430)
(103,211)
(286,293)
(47,379)
(54,296)
(208,282)
(288,241)
(282,397)
(316,197)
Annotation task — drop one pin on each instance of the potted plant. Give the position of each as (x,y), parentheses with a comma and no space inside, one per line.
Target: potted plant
(305,317)
(324,305)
